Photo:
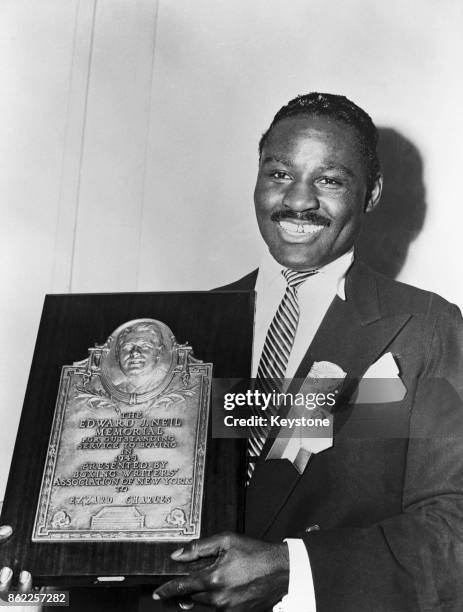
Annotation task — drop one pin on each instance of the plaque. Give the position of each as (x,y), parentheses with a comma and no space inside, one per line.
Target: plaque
(127,449)
(115,464)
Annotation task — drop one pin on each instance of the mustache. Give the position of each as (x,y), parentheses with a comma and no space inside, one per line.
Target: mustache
(308,215)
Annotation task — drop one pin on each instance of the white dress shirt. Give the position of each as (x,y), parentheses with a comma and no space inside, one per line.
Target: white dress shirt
(314,298)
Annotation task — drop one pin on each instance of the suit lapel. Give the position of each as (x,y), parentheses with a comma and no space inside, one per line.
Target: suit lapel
(353,334)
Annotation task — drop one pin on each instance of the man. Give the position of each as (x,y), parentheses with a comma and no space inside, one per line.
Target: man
(138,350)
(376,522)
(380,514)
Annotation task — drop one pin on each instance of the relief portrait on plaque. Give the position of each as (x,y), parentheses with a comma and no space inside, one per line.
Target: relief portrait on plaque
(126,454)
(140,361)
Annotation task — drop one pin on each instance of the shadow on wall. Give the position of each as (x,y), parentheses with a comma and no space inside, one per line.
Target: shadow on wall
(390,229)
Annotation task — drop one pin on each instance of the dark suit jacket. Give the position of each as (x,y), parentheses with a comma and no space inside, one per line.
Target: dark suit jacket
(388,497)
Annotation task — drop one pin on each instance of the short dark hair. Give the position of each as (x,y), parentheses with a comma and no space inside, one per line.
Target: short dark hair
(341,109)
(148,328)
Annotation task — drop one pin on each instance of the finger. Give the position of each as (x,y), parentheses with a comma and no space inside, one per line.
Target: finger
(186,604)
(25,582)
(6,574)
(186,585)
(5,532)
(208,599)
(205,547)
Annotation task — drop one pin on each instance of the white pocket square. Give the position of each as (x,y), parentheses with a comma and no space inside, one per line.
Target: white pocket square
(381,383)
(385,367)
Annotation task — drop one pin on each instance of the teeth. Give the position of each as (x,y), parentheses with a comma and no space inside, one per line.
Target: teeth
(300,228)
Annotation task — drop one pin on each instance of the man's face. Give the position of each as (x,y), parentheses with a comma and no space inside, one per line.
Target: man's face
(311,191)
(138,354)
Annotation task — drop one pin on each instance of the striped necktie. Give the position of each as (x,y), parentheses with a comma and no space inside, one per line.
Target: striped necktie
(275,356)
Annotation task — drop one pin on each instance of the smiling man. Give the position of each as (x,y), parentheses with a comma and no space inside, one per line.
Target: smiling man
(314,185)
(374,523)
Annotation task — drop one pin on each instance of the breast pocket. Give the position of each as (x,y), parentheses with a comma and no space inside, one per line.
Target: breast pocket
(378,408)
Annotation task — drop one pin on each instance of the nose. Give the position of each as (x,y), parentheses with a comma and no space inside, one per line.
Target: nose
(301,196)
(135,351)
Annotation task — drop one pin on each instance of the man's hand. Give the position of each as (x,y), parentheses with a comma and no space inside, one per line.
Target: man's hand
(246,574)
(6,573)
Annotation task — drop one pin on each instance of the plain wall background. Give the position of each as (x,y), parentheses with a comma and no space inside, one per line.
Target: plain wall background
(129,133)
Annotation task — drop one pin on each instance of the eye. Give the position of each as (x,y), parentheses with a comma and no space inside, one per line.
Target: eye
(279,175)
(329,181)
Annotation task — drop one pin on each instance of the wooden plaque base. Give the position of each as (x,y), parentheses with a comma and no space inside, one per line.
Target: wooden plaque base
(219,328)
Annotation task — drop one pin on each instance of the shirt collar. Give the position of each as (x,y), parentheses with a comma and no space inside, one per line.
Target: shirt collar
(335,271)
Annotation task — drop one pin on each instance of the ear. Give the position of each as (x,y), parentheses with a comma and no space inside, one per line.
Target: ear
(375,194)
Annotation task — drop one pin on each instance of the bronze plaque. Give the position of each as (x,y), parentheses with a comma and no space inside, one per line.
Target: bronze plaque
(126,454)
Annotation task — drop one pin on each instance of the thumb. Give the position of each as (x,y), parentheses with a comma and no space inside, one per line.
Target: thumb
(204,547)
